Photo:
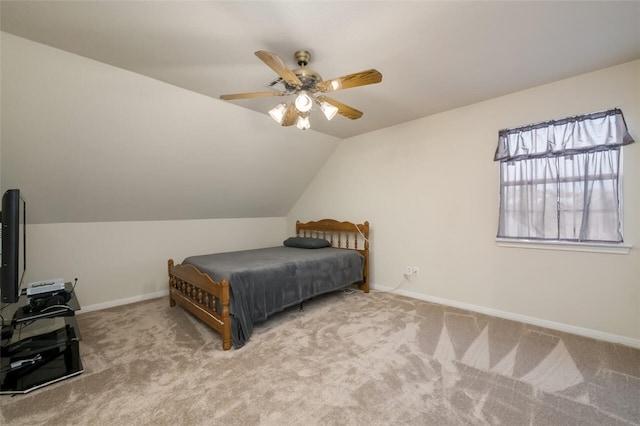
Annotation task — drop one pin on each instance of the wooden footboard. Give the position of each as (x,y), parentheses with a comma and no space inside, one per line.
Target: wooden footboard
(203,297)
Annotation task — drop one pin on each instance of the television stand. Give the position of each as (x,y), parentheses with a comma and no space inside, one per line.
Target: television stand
(39,347)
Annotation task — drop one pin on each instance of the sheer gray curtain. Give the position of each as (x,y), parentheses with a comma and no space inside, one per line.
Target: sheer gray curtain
(559,180)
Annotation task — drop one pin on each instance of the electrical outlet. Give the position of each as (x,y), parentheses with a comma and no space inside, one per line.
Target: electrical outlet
(411,271)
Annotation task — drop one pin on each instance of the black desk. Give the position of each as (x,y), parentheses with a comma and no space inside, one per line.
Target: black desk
(43,347)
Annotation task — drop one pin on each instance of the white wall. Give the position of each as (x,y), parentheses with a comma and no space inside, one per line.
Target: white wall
(430,190)
(119,262)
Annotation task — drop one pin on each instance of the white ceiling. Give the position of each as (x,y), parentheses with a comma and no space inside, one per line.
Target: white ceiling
(434,55)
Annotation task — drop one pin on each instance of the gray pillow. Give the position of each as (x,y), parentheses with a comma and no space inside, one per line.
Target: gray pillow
(306,242)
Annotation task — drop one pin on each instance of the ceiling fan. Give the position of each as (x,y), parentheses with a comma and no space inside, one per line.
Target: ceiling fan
(309,89)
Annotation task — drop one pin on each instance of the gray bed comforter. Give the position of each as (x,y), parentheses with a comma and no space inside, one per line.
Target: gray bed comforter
(266,281)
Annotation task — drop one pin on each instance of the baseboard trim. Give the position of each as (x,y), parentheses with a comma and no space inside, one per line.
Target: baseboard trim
(120,302)
(580,331)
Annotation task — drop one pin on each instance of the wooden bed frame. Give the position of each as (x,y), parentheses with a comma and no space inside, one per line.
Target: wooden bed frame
(209,300)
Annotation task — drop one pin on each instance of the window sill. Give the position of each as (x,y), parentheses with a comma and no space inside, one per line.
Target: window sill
(621,248)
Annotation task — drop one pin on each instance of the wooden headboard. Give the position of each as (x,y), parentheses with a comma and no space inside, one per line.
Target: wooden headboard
(345,235)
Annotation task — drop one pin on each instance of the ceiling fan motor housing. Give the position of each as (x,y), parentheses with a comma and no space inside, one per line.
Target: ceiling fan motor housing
(309,79)
(307,76)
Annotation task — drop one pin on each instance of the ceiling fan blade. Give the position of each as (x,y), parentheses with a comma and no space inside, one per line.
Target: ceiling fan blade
(251,95)
(275,63)
(290,116)
(352,80)
(343,109)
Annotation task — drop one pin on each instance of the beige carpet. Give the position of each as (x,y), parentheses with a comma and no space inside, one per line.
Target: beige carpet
(348,359)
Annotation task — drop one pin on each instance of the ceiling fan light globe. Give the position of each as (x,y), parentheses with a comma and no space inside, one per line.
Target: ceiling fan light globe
(278,112)
(303,102)
(328,110)
(303,122)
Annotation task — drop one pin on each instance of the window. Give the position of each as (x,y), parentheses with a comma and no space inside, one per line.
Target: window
(560,180)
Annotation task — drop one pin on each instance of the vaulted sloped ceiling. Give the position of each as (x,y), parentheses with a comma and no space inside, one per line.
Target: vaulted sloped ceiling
(88,142)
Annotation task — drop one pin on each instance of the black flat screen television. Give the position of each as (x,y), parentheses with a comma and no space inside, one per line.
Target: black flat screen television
(14,250)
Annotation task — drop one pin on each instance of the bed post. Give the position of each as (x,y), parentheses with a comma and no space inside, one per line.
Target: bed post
(226,320)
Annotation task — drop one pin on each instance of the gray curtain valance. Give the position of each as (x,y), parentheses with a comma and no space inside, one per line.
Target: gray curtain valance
(592,132)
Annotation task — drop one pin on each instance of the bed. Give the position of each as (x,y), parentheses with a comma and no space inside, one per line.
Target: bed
(232,291)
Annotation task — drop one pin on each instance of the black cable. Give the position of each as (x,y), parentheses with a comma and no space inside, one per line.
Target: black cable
(75,283)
